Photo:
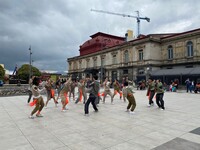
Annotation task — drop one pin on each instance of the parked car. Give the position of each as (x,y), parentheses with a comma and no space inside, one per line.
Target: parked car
(1,83)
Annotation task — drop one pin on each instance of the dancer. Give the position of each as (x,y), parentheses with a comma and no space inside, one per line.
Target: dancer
(107,90)
(151,91)
(63,94)
(159,95)
(37,98)
(93,90)
(116,86)
(98,97)
(128,93)
(29,88)
(58,86)
(50,92)
(81,91)
(72,90)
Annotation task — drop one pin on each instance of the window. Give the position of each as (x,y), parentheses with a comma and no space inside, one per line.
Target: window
(170,52)
(95,62)
(103,61)
(125,71)
(114,59)
(189,49)
(126,59)
(87,63)
(75,65)
(141,55)
(140,71)
(80,64)
(70,66)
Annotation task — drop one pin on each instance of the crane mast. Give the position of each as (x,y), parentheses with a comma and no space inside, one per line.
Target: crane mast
(125,15)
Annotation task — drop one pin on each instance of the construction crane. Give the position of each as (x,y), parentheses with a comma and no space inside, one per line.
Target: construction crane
(124,15)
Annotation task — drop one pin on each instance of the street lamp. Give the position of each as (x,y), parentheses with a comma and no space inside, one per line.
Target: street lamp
(30,61)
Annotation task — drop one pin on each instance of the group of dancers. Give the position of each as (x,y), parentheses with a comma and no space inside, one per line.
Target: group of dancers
(89,87)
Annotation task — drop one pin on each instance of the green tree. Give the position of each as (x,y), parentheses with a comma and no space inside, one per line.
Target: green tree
(24,71)
(2,73)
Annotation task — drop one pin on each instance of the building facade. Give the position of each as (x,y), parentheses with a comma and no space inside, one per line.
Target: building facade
(164,56)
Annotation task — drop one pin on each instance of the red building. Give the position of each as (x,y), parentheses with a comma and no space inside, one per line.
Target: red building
(100,41)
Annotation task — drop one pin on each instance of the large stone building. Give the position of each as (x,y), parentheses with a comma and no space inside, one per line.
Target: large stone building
(164,56)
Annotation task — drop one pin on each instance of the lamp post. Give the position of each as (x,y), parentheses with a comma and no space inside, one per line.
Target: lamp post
(30,61)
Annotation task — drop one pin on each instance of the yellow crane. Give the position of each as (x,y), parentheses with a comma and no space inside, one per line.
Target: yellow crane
(124,15)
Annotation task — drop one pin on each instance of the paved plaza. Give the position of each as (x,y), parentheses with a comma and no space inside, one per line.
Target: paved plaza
(176,128)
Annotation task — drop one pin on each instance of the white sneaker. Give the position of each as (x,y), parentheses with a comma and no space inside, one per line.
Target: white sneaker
(112,103)
(148,105)
(132,112)
(31,117)
(161,109)
(63,110)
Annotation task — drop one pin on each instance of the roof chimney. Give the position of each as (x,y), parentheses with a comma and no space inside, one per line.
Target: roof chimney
(129,35)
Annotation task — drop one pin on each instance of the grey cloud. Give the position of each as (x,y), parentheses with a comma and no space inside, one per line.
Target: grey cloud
(56,29)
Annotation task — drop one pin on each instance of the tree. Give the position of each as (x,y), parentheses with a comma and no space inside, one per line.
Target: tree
(24,71)
(2,73)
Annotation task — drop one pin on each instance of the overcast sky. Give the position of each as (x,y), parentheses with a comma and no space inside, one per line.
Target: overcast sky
(56,28)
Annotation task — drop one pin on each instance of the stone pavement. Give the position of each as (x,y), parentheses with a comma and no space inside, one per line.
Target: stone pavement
(176,128)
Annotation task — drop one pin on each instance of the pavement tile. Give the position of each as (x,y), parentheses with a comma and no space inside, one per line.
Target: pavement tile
(15,143)
(111,128)
(179,144)
(191,137)
(85,145)
(196,131)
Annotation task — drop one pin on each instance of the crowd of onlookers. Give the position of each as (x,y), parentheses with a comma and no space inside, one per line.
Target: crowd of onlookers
(190,86)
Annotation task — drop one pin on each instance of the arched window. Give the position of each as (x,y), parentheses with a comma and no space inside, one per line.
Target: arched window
(126,59)
(189,49)
(170,52)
